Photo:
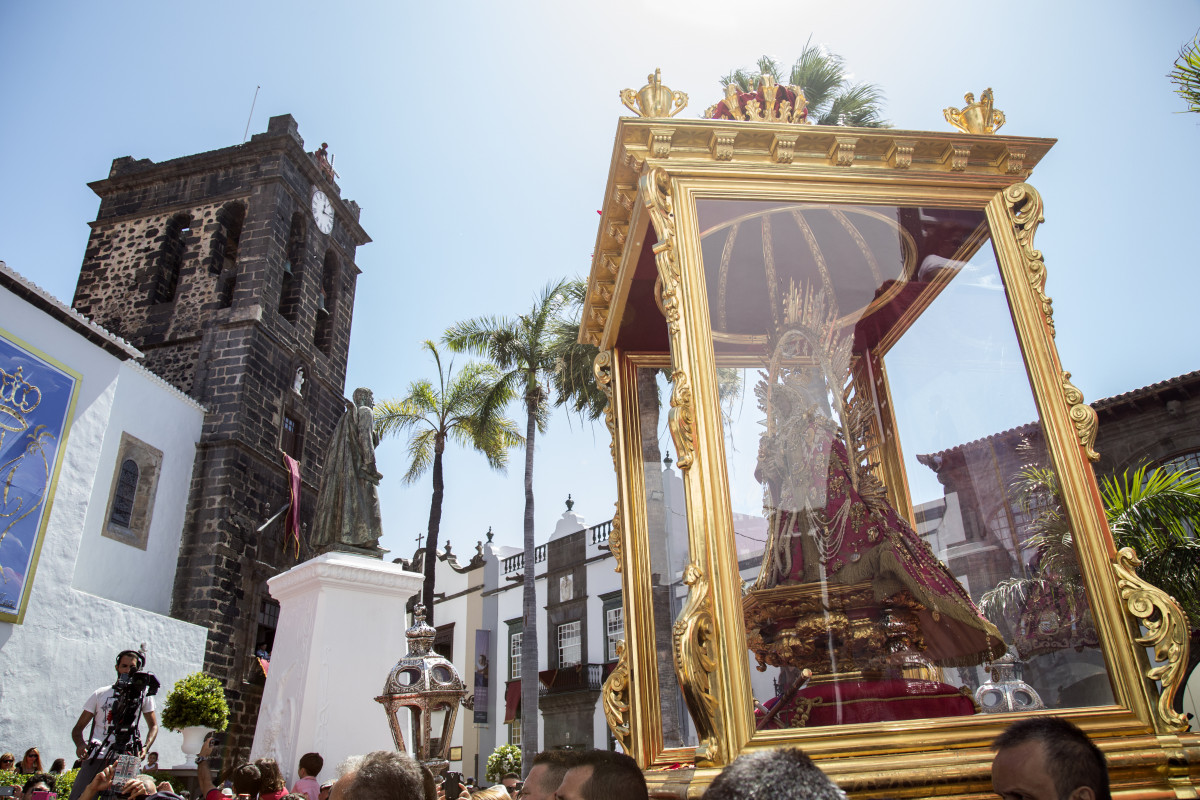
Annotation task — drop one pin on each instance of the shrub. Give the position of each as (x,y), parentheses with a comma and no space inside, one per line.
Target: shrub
(197,699)
(62,783)
(66,780)
(504,759)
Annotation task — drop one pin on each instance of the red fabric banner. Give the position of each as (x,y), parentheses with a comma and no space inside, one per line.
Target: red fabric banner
(291,523)
(512,700)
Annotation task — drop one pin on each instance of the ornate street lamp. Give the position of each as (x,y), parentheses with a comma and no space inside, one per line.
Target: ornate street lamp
(430,687)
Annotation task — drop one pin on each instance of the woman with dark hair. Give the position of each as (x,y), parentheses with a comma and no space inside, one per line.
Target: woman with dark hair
(31,764)
(273,786)
(6,762)
(58,766)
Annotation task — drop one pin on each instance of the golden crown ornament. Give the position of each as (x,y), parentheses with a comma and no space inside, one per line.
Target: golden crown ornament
(654,100)
(769,102)
(975,117)
(18,397)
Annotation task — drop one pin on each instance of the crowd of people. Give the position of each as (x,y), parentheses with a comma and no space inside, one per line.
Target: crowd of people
(1037,758)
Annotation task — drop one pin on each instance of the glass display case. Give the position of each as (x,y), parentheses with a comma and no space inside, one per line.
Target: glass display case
(856,512)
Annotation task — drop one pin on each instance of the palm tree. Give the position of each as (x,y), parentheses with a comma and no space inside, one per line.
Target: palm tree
(1154,511)
(573,380)
(465,408)
(1186,74)
(1157,513)
(832,99)
(522,349)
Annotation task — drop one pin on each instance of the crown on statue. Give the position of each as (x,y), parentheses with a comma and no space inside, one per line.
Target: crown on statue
(769,102)
(17,398)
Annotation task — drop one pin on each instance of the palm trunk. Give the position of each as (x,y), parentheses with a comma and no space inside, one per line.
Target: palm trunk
(529,638)
(431,538)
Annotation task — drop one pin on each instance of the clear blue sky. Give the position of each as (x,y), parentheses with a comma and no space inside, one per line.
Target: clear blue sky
(476,137)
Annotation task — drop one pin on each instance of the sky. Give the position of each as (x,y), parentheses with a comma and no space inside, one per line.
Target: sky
(476,137)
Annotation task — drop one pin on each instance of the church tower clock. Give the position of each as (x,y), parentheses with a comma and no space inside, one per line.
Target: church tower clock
(233,271)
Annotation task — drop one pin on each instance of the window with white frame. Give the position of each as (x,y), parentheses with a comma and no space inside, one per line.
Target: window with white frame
(614,630)
(570,643)
(514,730)
(514,655)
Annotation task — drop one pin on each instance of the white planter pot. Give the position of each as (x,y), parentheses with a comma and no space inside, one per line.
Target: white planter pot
(193,740)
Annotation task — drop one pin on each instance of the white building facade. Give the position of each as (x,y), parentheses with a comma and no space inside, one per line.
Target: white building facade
(90,571)
(478,616)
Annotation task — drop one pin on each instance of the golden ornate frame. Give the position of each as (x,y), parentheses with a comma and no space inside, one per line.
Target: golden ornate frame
(672,163)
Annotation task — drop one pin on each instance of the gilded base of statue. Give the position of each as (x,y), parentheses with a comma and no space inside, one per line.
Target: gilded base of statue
(837,631)
(847,656)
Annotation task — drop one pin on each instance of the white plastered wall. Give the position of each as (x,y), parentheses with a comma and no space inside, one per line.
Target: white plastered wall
(66,645)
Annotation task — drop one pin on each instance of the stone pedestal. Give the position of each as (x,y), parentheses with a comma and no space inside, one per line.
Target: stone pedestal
(341,629)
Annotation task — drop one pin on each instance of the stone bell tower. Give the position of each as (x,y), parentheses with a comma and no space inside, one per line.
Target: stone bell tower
(233,271)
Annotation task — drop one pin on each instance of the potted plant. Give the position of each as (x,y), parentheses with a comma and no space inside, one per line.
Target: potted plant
(195,705)
(504,759)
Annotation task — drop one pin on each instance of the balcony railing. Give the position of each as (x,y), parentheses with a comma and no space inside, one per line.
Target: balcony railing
(598,534)
(517,563)
(577,678)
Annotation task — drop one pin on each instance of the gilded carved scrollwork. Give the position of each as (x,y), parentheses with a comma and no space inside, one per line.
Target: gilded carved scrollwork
(696,661)
(1083,417)
(654,192)
(616,698)
(680,420)
(1024,207)
(662,216)
(602,368)
(1166,631)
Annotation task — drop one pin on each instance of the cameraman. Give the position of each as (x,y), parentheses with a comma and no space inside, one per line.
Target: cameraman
(98,711)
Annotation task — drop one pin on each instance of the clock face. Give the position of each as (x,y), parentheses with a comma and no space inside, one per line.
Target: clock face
(322,211)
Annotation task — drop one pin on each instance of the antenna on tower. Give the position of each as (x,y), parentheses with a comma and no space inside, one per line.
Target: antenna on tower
(246,135)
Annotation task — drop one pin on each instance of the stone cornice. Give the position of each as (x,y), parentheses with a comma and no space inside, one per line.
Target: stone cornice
(145,172)
(345,571)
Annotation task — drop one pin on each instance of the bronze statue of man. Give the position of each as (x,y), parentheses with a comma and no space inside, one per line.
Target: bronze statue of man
(348,501)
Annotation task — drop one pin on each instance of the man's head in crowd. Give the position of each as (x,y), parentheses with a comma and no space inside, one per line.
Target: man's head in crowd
(128,661)
(381,775)
(1048,758)
(147,781)
(603,775)
(42,782)
(247,780)
(547,773)
(786,774)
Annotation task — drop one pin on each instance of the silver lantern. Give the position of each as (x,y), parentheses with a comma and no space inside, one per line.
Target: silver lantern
(429,687)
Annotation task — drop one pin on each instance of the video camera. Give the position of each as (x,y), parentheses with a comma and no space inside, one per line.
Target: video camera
(129,692)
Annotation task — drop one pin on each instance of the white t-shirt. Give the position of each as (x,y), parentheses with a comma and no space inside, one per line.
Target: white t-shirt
(101,703)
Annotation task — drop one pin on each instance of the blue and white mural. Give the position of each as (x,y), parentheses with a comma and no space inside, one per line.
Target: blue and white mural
(37,399)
